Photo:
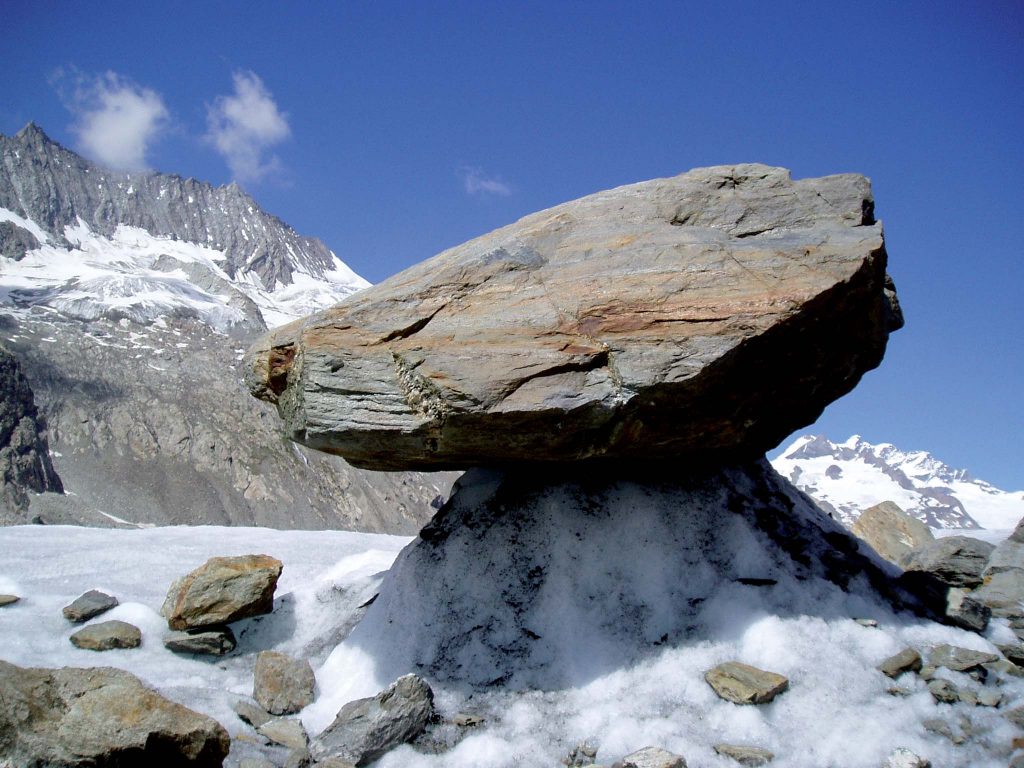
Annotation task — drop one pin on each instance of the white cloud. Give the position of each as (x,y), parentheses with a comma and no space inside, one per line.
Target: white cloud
(244,125)
(116,119)
(476,182)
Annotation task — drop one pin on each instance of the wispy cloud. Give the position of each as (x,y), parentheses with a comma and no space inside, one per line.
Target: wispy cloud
(244,125)
(478,183)
(116,119)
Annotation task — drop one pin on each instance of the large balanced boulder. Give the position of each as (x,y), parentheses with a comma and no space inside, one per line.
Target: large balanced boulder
(99,717)
(700,317)
(222,590)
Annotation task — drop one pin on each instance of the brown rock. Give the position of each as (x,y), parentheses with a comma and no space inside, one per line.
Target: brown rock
(890,531)
(703,316)
(79,718)
(222,590)
(282,685)
(744,684)
(907,660)
(107,635)
(8,600)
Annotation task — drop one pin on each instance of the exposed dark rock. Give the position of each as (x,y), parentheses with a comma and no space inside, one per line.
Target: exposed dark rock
(15,241)
(211,641)
(222,590)
(107,635)
(85,718)
(89,605)
(964,609)
(25,464)
(282,685)
(8,600)
(637,319)
(366,729)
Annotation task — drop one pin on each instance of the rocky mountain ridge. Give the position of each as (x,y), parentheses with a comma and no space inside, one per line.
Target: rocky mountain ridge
(847,478)
(127,312)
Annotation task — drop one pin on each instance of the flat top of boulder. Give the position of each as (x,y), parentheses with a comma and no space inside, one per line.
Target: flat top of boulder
(890,531)
(707,314)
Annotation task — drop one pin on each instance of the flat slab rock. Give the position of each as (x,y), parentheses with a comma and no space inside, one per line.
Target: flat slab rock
(651,757)
(100,716)
(743,684)
(704,316)
(89,605)
(222,590)
(745,755)
(107,636)
(212,641)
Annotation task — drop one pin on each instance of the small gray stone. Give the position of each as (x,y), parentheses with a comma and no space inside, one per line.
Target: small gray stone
(1014,652)
(902,757)
(651,757)
(91,604)
(211,642)
(746,756)
(959,659)
(8,600)
(107,635)
(872,623)
(743,684)
(299,758)
(957,561)
(285,731)
(989,696)
(282,685)
(251,714)
(907,660)
(581,755)
(465,720)
(1015,716)
(957,735)
(366,729)
(943,691)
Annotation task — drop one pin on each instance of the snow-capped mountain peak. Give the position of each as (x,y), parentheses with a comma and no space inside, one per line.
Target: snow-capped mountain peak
(848,477)
(90,242)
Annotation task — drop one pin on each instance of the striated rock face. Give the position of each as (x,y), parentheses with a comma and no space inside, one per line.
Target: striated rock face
(703,316)
(99,717)
(890,531)
(24,453)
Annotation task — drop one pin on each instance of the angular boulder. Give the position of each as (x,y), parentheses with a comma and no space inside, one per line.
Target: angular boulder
(651,757)
(890,531)
(90,717)
(222,590)
(282,685)
(366,729)
(957,561)
(702,317)
(743,684)
(212,641)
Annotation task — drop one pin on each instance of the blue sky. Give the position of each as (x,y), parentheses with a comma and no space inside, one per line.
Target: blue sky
(394,130)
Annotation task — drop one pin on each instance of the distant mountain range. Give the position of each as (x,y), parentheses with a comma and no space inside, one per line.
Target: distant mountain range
(847,478)
(127,300)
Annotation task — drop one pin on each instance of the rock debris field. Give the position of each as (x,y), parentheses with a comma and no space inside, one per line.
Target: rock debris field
(619,579)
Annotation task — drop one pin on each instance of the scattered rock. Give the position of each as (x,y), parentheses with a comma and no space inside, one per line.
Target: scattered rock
(871,623)
(107,635)
(81,718)
(1004,668)
(256,762)
(957,561)
(651,757)
(907,660)
(8,600)
(91,604)
(743,684)
(581,755)
(746,756)
(1014,652)
(285,731)
(251,714)
(213,641)
(943,691)
(956,734)
(366,729)
(890,531)
(989,696)
(637,319)
(963,609)
(222,590)
(902,757)
(334,762)
(282,685)
(959,659)
(464,720)
(1015,716)
(299,758)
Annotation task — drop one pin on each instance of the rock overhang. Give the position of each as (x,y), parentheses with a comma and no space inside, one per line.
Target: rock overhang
(700,317)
